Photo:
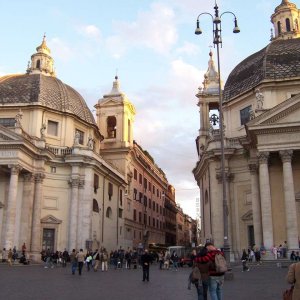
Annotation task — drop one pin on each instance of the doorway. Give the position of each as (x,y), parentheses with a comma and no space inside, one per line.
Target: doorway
(251,240)
(48,239)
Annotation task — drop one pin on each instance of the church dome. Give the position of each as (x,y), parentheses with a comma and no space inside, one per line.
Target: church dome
(279,60)
(48,91)
(39,86)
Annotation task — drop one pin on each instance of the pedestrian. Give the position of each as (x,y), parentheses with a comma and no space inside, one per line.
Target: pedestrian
(9,257)
(23,248)
(73,260)
(203,284)
(175,260)
(65,258)
(244,260)
(257,256)
(161,259)
(48,260)
(216,279)
(104,260)
(96,258)
(293,277)
(293,256)
(167,260)
(4,255)
(80,260)
(15,254)
(145,261)
(275,252)
(88,260)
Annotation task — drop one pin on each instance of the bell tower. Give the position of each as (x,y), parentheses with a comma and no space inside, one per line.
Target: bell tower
(115,119)
(208,102)
(286,21)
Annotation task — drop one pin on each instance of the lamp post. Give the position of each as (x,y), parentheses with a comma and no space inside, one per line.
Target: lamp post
(217,41)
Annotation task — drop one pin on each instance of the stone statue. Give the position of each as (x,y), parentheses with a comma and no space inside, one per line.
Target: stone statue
(42,130)
(76,138)
(90,143)
(259,99)
(18,118)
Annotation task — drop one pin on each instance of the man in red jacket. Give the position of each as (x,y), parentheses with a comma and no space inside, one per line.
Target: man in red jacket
(216,279)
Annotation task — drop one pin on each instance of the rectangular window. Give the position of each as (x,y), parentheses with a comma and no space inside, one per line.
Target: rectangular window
(145,201)
(153,222)
(135,174)
(149,221)
(80,136)
(245,115)
(120,212)
(53,169)
(96,183)
(157,222)
(8,122)
(145,184)
(134,215)
(149,203)
(140,197)
(52,128)
(145,219)
(121,198)
(153,190)
(110,190)
(153,205)
(157,207)
(140,179)
(140,217)
(149,186)
(134,194)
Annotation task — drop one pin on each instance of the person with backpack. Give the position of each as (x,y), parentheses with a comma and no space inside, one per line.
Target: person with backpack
(217,268)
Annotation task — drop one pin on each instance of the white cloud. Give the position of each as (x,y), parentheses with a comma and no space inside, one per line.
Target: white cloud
(61,49)
(90,31)
(154,29)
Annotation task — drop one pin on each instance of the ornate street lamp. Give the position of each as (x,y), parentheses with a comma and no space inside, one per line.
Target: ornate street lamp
(217,41)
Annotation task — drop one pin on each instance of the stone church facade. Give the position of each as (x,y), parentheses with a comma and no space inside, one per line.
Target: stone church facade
(261,109)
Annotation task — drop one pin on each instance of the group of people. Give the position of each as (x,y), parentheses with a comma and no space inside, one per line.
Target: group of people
(11,256)
(167,259)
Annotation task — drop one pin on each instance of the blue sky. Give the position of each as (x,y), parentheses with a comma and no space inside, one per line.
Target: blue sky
(160,61)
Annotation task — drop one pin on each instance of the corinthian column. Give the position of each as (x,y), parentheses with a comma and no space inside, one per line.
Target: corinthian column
(10,219)
(266,202)
(73,225)
(36,214)
(289,200)
(255,204)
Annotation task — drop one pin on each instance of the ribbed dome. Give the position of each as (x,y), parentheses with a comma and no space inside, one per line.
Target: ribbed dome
(279,60)
(43,90)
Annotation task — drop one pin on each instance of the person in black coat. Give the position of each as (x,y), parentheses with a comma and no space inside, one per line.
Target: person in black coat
(145,261)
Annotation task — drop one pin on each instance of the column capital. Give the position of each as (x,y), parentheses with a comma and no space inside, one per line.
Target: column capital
(39,177)
(286,155)
(81,183)
(15,169)
(263,157)
(74,182)
(28,177)
(253,167)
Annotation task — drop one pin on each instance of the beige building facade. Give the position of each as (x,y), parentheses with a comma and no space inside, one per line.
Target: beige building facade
(56,190)
(261,107)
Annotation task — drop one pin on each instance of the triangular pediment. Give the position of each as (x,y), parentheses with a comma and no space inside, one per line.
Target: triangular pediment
(282,115)
(248,216)
(50,220)
(7,134)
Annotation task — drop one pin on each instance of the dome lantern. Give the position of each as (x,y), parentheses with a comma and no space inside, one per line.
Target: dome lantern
(41,61)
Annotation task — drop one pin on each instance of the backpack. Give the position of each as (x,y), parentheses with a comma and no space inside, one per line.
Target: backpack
(221,264)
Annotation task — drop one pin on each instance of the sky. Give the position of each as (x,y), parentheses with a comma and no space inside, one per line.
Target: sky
(152,47)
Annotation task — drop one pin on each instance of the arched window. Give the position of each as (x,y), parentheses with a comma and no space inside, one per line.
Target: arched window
(108,213)
(95,206)
(111,127)
(38,64)
(288,24)
(279,27)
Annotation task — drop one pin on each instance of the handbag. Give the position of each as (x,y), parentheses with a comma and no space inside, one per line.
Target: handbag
(288,293)
(196,275)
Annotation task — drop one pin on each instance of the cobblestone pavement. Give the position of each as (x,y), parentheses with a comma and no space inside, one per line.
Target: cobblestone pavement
(34,282)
